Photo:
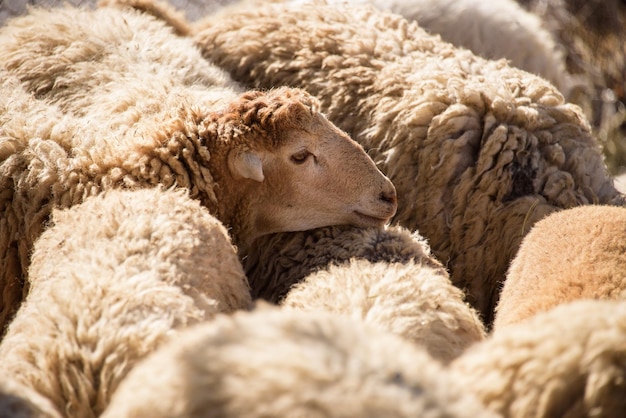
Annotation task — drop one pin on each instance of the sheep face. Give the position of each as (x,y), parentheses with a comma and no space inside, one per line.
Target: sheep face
(306,173)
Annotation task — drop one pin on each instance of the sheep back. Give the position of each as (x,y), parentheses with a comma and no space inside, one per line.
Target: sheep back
(570,361)
(275,363)
(111,279)
(413,300)
(280,261)
(576,253)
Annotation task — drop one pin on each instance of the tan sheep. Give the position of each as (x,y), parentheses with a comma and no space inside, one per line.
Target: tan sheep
(568,362)
(576,253)
(386,278)
(272,363)
(261,162)
(494,30)
(478,150)
(110,280)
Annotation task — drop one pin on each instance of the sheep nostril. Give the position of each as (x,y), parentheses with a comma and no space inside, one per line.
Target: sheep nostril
(389,197)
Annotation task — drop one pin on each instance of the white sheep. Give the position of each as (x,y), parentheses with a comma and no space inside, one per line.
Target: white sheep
(576,253)
(493,30)
(273,363)
(478,150)
(567,362)
(261,162)
(110,280)
(386,278)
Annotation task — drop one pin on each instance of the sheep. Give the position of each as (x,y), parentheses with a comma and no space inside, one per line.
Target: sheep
(386,278)
(260,161)
(478,150)
(567,362)
(270,362)
(572,254)
(111,279)
(592,34)
(17,401)
(495,30)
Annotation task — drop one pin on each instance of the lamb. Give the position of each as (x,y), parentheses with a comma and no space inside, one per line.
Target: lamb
(478,150)
(495,30)
(386,278)
(567,362)
(270,362)
(573,254)
(261,162)
(110,280)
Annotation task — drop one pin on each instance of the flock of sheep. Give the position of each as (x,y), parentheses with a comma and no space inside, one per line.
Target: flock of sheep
(303,208)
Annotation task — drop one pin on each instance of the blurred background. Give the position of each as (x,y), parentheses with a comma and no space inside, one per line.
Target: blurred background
(590,32)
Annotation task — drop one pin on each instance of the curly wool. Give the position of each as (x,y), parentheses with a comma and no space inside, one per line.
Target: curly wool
(280,261)
(111,279)
(568,362)
(51,159)
(495,30)
(478,150)
(270,362)
(386,278)
(117,100)
(573,254)
(412,300)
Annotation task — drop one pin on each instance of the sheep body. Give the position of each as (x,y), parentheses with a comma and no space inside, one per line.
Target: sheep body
(501,29)
(567,362)
(576,253)
(275,363)
(478,150)
(142,107)
(111,279)
(386,278)
(411,300)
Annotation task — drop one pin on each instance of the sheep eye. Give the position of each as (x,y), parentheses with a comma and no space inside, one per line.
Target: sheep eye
(300,157)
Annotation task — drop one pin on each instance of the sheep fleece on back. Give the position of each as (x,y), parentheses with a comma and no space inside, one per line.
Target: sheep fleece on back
(111,279)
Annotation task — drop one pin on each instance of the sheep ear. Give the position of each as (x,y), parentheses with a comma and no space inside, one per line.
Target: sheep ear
(246,164)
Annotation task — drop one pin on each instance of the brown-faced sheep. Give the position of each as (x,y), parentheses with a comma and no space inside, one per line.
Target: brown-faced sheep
(386,278)
(110,280)
(478,150)
(17,401)
(272,363)
(577,253)
(260,161)
(567,362)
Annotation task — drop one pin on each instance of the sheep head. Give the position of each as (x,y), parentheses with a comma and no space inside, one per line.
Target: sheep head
(290,169)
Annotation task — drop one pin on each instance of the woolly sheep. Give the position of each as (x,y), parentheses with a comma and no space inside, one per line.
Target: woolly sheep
(477,150)
(386,278)
(573,254)
(261,162)
(567,362)
(110,280)
(286,364)
(494,30)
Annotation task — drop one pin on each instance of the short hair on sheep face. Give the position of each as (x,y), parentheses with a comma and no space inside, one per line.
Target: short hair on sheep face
(271,113)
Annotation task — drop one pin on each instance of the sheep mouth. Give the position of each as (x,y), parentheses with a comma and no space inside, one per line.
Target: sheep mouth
(370,220)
